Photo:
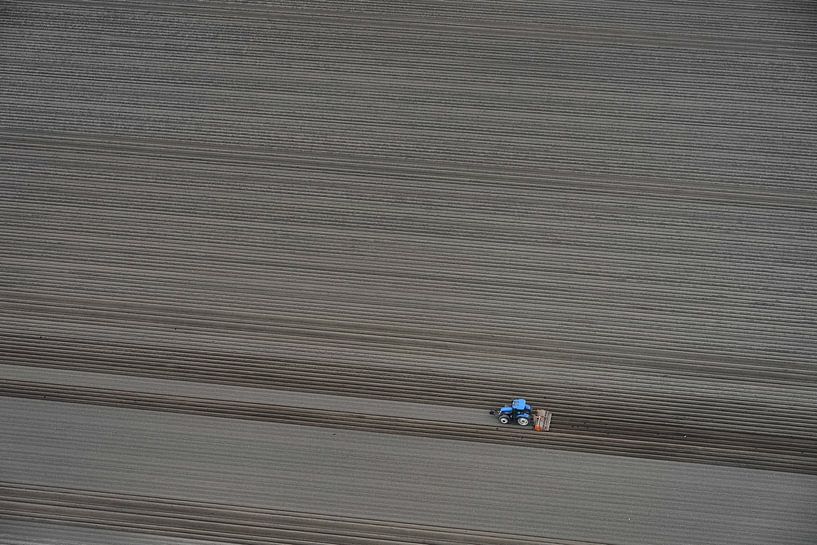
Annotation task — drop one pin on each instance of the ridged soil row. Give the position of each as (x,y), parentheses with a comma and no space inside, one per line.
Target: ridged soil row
(574,394)
(688,445)
(231,523)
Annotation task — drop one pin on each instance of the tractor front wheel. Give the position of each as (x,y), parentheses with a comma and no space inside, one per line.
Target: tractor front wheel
(504,419)
(522,421)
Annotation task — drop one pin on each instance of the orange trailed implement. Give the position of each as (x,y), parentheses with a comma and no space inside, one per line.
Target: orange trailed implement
(541,420)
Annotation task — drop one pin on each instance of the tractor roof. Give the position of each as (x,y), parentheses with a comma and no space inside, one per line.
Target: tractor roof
(519,404)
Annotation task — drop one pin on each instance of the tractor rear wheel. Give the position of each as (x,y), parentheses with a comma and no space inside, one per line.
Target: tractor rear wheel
(504,419)
(522,421)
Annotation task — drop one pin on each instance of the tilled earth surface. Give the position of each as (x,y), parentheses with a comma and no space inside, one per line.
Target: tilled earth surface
(341,232)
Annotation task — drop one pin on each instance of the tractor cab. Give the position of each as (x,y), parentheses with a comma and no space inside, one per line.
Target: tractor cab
(518,411)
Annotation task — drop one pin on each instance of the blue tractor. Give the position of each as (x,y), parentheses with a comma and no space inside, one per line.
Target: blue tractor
(518,411)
